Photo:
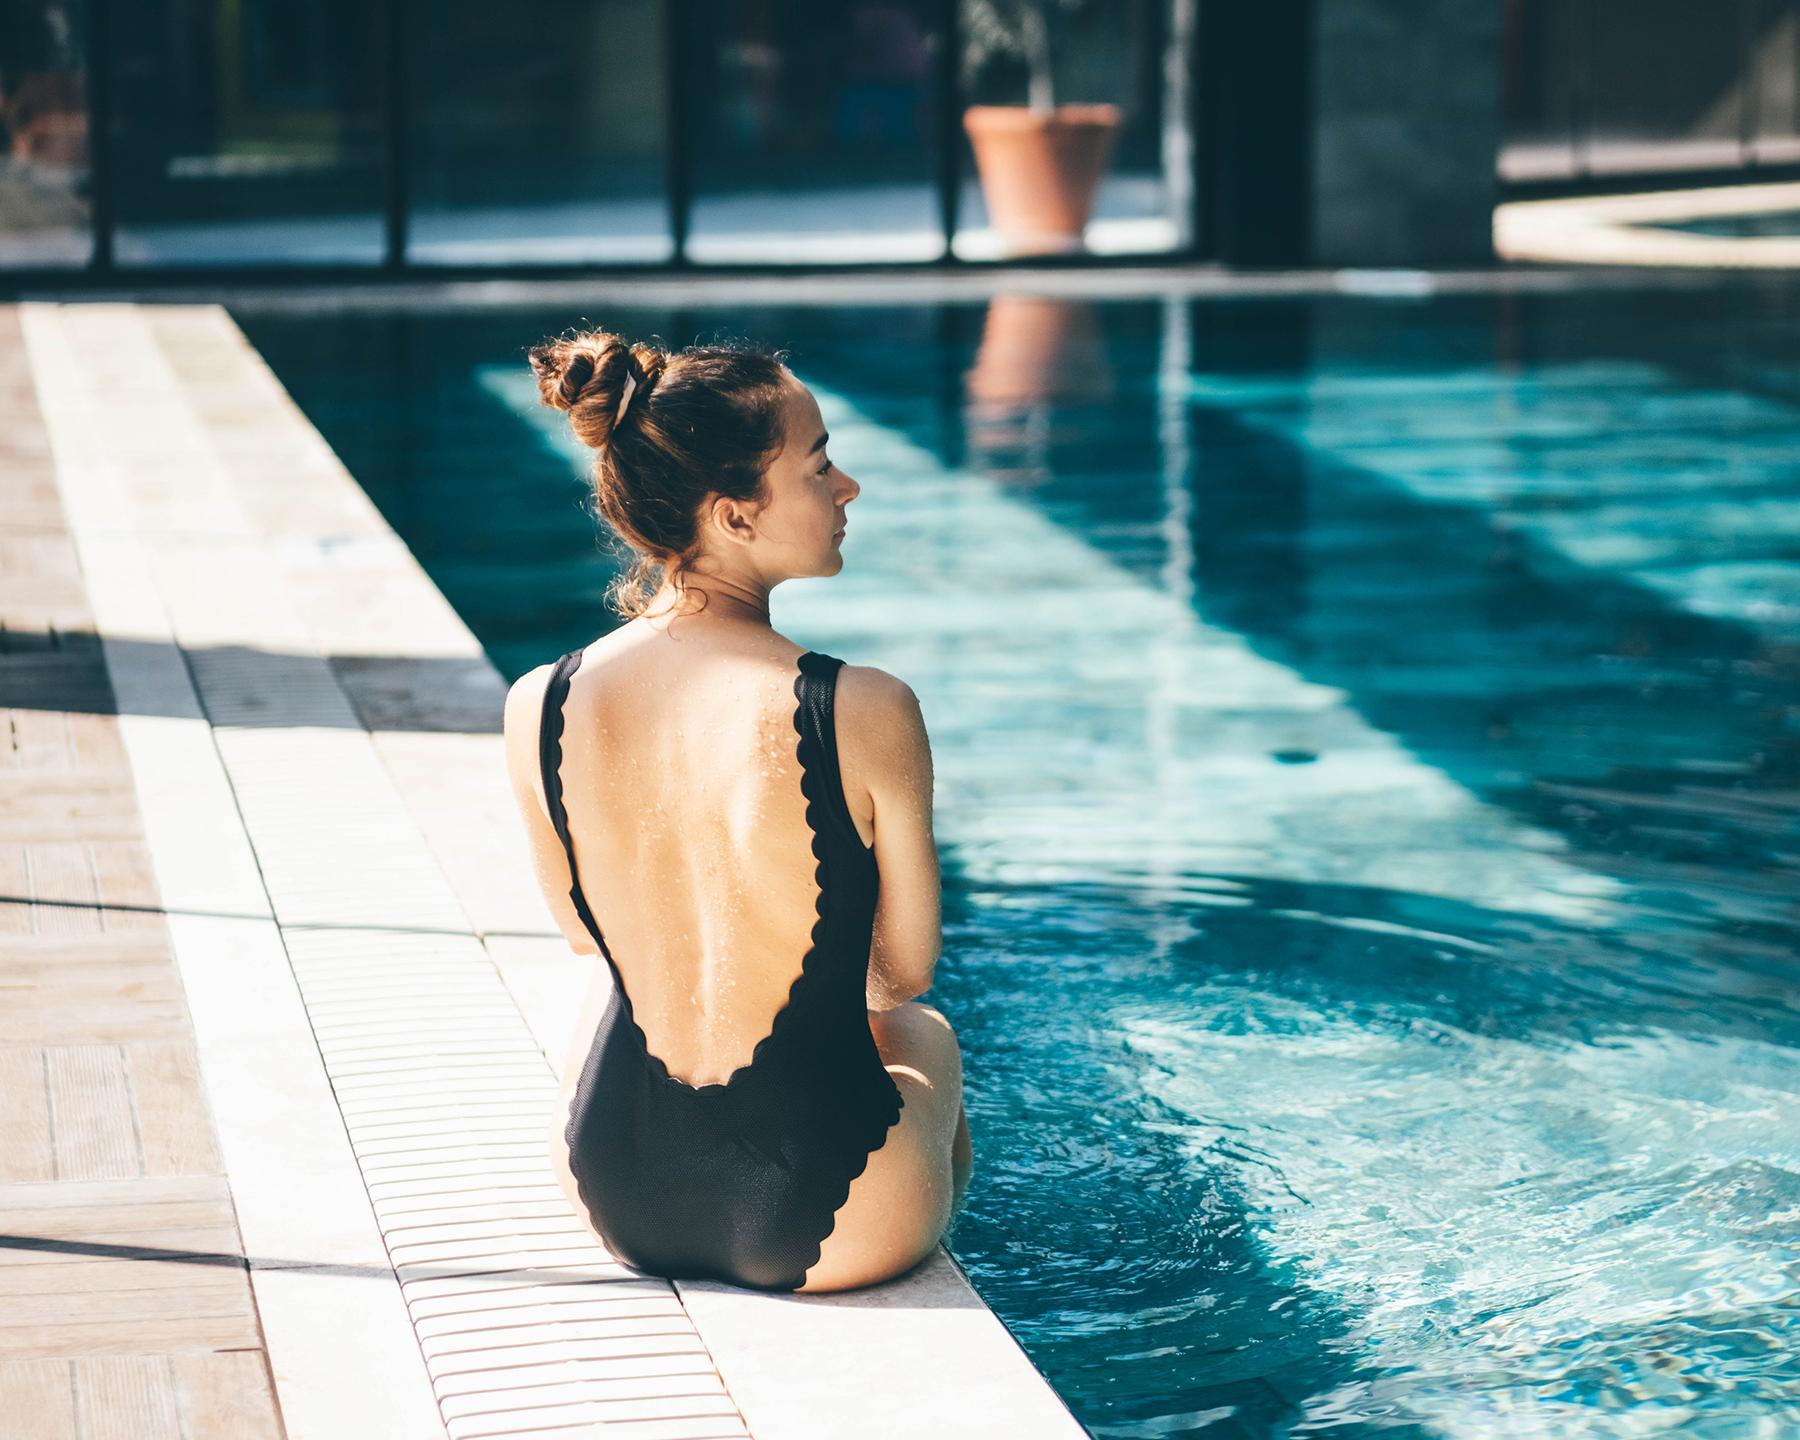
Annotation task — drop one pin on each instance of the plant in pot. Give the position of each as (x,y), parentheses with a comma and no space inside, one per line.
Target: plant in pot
(1039,163)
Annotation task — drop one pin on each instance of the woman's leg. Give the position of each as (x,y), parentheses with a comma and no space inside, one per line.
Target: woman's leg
(962,1155)
(900,1206)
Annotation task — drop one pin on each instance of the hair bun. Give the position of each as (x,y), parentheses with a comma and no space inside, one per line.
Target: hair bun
(587,375)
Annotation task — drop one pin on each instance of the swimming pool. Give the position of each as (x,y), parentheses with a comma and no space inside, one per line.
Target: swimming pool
(1368,753)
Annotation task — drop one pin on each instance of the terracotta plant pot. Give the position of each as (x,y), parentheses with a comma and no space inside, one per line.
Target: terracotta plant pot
(46,112)
(1040,169)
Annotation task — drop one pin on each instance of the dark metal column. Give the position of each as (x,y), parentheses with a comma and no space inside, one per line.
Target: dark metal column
(392,19)
(677,15)
(949,123)
(99,100)
(1256,131)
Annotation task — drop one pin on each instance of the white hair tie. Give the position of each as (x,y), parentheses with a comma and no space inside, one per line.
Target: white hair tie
(630,385)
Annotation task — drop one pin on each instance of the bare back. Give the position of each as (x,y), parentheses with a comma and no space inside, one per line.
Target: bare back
(682,785)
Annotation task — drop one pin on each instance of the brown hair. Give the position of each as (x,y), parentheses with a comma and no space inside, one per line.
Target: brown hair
(702,421)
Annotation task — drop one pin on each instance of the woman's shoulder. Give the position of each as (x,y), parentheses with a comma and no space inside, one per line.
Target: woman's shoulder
(875,689)
(880,710)
(527,692)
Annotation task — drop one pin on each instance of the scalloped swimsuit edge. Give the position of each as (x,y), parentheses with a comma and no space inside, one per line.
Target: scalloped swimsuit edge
(739,1180)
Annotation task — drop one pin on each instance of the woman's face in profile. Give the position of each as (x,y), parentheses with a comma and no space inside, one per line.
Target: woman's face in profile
(808,493)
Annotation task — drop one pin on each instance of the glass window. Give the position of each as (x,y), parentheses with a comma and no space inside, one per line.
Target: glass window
(538,133)
(1543,63)
(1667,85)
(247,131)
(1775,56)
(45,209)
(814,130)
(1020,195)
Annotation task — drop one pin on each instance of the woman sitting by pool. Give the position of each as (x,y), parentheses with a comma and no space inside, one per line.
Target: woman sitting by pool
(754,1094)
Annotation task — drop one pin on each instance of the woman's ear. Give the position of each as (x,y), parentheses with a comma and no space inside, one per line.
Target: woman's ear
(734,520)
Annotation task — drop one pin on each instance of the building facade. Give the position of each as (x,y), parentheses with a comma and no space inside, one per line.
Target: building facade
(196,138)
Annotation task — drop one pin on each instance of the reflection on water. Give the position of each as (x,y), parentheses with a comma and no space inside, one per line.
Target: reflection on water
(1368,750)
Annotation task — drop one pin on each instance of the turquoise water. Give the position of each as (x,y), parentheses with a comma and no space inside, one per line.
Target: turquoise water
(1752,226)
(1368,755)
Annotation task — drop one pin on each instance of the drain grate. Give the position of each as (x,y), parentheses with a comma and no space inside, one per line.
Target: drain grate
(527,1325)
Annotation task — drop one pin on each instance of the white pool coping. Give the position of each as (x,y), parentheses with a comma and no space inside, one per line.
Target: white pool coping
(259,621)
(1628,229)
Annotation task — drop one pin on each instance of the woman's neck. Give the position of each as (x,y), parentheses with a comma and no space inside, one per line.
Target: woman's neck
(722,599)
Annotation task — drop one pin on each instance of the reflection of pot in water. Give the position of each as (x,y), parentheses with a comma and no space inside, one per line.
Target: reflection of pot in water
(1035,354)
(1036,348)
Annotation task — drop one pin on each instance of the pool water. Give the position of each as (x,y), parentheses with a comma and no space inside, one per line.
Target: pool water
(1753,225)
(1368,777)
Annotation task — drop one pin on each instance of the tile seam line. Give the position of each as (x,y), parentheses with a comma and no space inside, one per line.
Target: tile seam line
(133,536)
(228,468)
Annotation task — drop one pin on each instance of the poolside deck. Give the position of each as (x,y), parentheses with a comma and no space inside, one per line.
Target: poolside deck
(125,1300)
(258,835)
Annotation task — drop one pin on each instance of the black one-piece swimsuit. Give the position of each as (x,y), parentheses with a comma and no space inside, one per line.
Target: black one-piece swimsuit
(740,1180)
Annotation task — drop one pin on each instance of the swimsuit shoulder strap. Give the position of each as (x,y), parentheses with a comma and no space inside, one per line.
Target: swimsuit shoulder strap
(815,712)
(550,731)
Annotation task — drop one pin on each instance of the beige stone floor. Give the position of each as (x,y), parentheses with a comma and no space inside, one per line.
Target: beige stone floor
(125,1300)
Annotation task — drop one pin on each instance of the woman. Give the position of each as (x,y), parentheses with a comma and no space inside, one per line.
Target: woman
(741,830)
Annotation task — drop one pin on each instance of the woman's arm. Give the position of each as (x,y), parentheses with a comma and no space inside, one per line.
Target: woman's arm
(883,735)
